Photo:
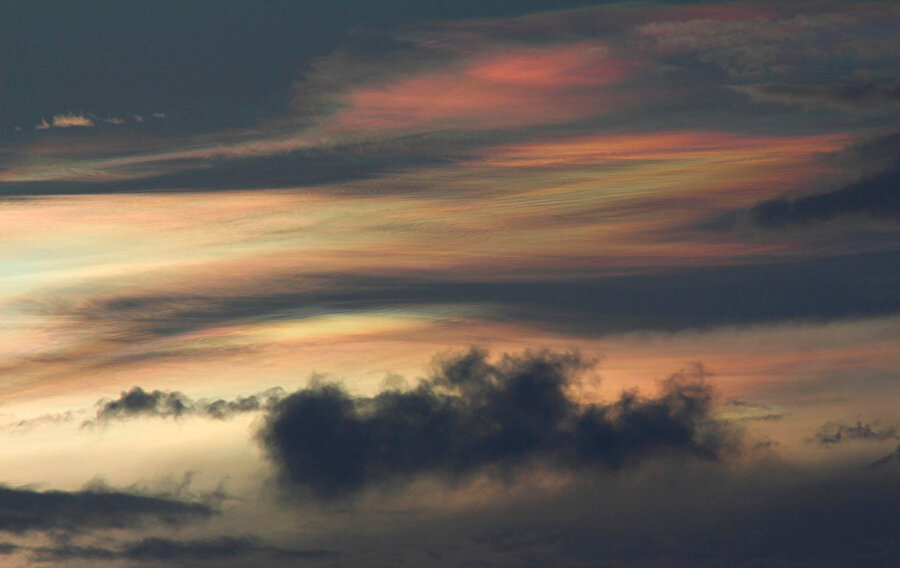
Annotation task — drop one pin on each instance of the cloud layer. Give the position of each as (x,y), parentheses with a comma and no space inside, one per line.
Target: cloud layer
(24,510)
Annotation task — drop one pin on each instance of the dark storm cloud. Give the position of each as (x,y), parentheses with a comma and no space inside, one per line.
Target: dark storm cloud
(167,550)
(876,197)
(832,433)
(473,415)
(24,510)
(137,403)
(862,97)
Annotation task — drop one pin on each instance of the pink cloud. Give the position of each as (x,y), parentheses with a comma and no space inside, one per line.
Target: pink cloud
(497,88)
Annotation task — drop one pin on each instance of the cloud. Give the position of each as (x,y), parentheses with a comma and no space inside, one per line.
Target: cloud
(745,411)
(762,41)
(475,415)
(137,403)
(876,197)
(864,97)
(604,67)
(71,119)
(895,455)
(67,120)
(167,550)
(831,434)
(763,519)
(501,87)
(24,510)
(50,419)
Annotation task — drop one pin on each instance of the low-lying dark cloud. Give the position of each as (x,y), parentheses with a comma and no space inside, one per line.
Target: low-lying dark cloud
(24,510)
(137,403)
(474,415)
(168,550)
(861,97)
(674,299)
(893,456)
(832,433)
(876,197)
(299,168)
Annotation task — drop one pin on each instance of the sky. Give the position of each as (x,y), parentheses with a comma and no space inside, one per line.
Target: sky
(497,284)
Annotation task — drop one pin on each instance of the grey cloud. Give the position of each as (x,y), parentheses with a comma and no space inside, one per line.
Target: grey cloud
(24,510)
(690,298)
(863,97)
(137,403)
(876,197)
(893,456)
(832,433)
(796,40)
(156,550)
(300,168)
(50,419)
(7,548)
(672,514)
(474,416)
(760,418)
(747,411)
(874,153)
(833,522)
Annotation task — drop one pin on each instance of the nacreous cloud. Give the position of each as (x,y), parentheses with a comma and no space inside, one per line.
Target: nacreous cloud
(473,415)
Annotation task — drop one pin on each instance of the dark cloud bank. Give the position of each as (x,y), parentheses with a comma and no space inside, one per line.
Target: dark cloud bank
(174,551)
(475,416)
(24,510)
(876,197)
(852,97)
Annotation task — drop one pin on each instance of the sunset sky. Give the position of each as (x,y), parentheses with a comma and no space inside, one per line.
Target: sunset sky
(476,283)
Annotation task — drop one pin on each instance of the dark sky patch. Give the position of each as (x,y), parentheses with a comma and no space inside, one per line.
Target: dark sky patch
(474,415)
